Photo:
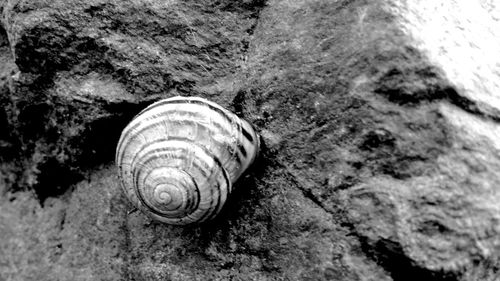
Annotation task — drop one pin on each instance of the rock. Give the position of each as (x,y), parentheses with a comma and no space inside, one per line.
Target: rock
(379,120)
(102,241)
(85,69)
(379,123)
(58,242)
(8,140)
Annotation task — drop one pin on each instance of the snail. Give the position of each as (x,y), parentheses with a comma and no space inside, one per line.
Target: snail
(179,157)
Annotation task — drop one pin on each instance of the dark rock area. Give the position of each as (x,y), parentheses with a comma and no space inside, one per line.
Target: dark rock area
(379,122)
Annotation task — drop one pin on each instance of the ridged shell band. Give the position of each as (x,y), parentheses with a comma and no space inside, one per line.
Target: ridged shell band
(179,157)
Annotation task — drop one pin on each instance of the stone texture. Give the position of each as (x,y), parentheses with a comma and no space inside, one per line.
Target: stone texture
(85,68)
(379,121)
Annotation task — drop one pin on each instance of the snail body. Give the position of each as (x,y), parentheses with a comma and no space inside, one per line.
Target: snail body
(179,157)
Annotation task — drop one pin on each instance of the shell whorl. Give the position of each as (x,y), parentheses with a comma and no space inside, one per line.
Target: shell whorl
(179,157)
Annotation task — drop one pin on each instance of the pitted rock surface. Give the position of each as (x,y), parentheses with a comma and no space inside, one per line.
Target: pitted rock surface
(379,120)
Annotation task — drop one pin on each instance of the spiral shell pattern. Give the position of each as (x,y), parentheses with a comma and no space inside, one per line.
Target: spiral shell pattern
(179,157)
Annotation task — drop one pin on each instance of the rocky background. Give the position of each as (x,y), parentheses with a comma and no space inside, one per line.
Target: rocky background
(380,123)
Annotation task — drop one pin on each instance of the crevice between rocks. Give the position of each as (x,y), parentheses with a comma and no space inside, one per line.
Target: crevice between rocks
(307,192)
(389,255)
(98,140)
(4,40)
(483,111)
(412,85)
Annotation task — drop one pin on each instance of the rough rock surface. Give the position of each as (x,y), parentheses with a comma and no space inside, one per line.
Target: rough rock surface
(379,121)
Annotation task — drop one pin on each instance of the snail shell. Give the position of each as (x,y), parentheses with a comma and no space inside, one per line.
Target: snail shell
(179,157)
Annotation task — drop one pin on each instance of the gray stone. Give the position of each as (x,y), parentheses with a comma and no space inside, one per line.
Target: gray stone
(379,121)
